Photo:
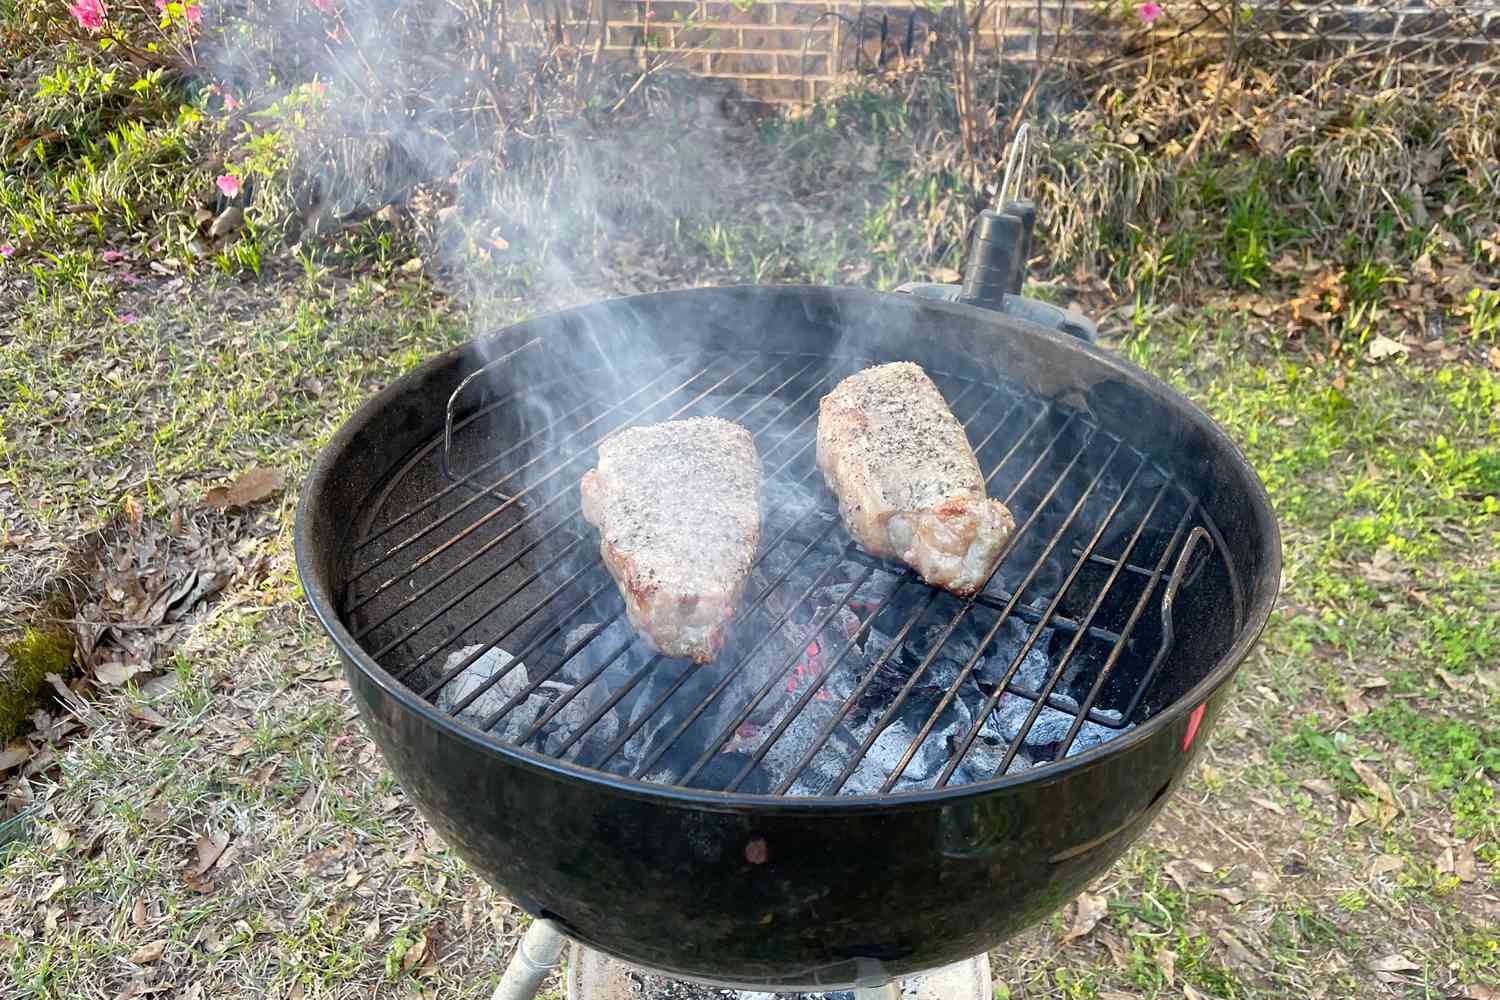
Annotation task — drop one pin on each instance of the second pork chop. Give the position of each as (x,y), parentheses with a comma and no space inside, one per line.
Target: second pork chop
(677,506)
(906,479)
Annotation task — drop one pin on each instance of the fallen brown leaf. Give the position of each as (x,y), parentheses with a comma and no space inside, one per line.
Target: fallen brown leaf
(114,673)
(1477,992)
(1236,951)
(1465,864)
(415,953)
(138,914)
(1454,682)
(58,885)
(1166,961)
(372,929)
(147,715)
(1394,963)
(1190,993)
(1375,783)
(1320,786)
(1230,895)
(14,758)
(1382,347)
(149,952)
(256,484)
(1356,706)
(1265,803)
(1086,914)
(1384,864)
(210,847)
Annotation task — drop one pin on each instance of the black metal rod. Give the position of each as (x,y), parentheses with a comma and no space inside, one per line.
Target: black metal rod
(994,630)
(969,603)
(491,463)
(474,526)
(467,481)
(1166,638)
(812,688)
(814,627)
(1057,669)
(692,716)
(533,515)
(474,588)
(831,726)
(1114,653)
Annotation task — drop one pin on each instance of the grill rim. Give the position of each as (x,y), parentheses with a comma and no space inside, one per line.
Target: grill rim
(1259,603)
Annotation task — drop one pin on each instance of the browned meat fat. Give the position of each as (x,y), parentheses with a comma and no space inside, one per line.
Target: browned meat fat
(907,482)
(677,506)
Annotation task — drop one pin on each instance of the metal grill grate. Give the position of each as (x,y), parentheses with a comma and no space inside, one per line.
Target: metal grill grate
(477,583)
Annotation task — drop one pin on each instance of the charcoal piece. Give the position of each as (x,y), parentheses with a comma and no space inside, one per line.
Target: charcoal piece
(512,681)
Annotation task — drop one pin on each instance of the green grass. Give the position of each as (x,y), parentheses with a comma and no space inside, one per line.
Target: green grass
(1385,479)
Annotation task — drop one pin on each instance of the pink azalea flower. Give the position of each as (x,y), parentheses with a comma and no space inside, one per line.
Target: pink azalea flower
(127,319)
(231,103)
(229,184)
(6,250)
(110,256)
(88,13)
(194,13)
(1150,11)
(161,5)
(324,7)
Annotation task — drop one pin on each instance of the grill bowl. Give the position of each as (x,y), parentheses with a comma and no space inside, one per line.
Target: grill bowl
(757,890)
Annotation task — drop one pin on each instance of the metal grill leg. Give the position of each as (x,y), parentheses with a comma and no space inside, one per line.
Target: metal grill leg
(890,991)
(539,953)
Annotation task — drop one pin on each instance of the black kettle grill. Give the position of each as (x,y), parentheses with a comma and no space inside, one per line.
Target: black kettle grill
(874,778)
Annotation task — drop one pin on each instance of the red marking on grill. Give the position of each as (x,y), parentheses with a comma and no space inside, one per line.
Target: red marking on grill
(1192,730)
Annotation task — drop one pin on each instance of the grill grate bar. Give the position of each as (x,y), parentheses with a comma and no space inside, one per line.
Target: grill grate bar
(953,622)
(527,519)
(1041,560)
(482,491)
(630,731)
(900,640)
(1058,668)
(814,627)
(1114,653)
(624,691)
(468,480)
(496,542)
(537,642)
(692,716)
(478,653)
(453,602)
(812,689)
(573,692)
(582,454)
(562,525)
(1166,616)
(996,598)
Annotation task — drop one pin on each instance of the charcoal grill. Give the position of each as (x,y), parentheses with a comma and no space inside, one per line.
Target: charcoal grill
(874,778)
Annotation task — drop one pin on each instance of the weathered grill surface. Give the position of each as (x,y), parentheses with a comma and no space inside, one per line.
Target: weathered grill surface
(477,583)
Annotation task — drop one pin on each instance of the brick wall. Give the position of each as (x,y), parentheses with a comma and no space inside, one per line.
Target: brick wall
(791,51)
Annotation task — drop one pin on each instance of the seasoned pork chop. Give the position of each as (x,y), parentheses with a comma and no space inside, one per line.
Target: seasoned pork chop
(677,506)
(906,479)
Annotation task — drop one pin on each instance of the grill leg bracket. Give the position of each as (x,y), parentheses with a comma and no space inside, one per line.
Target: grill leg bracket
(538,954)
